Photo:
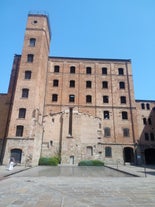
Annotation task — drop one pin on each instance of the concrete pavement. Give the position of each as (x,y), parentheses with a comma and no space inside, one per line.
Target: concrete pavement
(36,188)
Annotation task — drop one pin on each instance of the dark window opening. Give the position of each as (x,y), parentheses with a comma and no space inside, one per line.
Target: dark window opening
(30,58)
(104,71)
(120,71)
(144,121)
(152,136)
(71,98)
(28,74)
(88,84)
(143,106)
(124,115)
(123,99)
(146,136)
(122,85)
(56,68)
(126,132)
(25,93)
(55,83)
(22,113)
(149,121)
(54,97)
(19,131)
(88,70)
(105,99)
(148,106)
(106,115)
(88,99)
(72,69)
(108,152)
(104,84)
(72,84)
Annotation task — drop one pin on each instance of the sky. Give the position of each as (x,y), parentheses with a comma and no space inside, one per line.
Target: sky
(115,29)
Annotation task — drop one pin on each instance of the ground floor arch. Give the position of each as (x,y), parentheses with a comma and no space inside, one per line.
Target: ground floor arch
(149,156)
(16,154)
(128,154)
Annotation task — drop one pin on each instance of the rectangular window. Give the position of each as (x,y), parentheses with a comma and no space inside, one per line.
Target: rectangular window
(30,58)
(104,84)
(142,106)
(28,74)
(152,136)
(88,99)
(32,42)
(56,68)
(126,132)
(123,100)
(120,71)
(146,136)
(107,132)
(106,115)
(89,151)
(55,83)
(88,70)
(71,98)
(72,69)
(149,121)
(54,97)
(25,93)
(108,152)
(19,131)
(124,115)
(144,121)
(105,99)
(121,85)
(104,71)
(72,84)
(22,113)
(88,84)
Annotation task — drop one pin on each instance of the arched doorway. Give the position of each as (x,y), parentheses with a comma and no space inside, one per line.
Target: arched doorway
(150,156)
(128,154)
(17,154)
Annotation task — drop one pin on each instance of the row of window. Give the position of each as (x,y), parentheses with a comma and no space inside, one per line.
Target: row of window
(147,121)
(88,98)
(107,132)
(108,151)
(88,84)
(88,70)
(149,136)
(145,106)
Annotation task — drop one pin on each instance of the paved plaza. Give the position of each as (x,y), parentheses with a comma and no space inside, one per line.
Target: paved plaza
(77,187)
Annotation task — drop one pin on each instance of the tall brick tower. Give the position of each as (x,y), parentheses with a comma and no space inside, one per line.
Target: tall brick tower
(25,127)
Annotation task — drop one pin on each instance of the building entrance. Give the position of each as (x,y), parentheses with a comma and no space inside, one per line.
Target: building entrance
(17,154)
(128,155)
(150,156)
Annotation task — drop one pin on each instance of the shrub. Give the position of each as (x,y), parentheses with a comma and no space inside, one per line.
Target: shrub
(53,161)
(91,163)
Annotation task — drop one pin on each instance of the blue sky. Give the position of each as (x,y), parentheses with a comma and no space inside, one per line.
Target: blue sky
(119,29)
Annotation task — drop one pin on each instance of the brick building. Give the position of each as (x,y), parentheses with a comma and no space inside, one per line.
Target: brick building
(78,108)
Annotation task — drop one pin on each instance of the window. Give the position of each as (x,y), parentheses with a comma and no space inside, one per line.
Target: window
(120,71)
(22,113)
(146,136)
(56,68)
(89,151)
(19,131)
(149,121)
(88,70)
(88,99)
(88,84)
(152,136)
(124,115)
(148,106)
(72,84)
(143,106)
(54,97)
(104,71)
(108,152)
(144,121)
(30,58)
(105,99)
(123,100)
(104,84)
(107,132)
(71,98)
(55,83)
(32,42)
(72,69)
(122,85)
(28,74)
(25,93)
(126,132)
(106,115)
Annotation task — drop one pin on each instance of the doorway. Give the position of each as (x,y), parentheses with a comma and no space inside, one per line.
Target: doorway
(128,155)
(150,156)
(17,155)
(72,160)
